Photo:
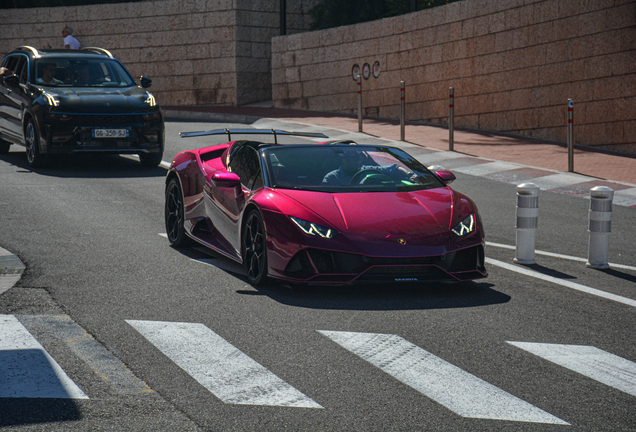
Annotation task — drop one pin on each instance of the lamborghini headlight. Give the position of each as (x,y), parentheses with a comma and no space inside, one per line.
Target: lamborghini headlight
(313,229)
(466,226)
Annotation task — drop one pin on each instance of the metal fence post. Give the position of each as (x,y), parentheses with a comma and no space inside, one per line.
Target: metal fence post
(451,126)
(402,119)
(570,138)
(360,103)
(600,225)
(527,222)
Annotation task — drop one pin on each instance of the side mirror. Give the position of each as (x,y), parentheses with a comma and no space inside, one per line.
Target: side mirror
(226,180)
(446,176)
(12,80)
(145,81)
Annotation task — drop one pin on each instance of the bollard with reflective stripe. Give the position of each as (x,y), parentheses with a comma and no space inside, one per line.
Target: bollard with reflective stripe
(527,222)
(600,225)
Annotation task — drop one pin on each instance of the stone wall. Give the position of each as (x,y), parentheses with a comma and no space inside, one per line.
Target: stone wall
(197,52)
(513,65)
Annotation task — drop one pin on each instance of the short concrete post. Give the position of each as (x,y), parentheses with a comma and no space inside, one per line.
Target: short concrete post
(527,222)
(600,225)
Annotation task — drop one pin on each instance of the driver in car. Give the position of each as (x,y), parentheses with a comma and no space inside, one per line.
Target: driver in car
(352,163)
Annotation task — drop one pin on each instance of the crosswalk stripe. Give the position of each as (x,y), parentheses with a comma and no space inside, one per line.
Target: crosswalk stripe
(27,370)
(452,387)
(590,361)
(216,364)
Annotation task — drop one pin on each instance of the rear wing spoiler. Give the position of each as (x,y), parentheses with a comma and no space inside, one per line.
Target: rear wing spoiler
(274,132)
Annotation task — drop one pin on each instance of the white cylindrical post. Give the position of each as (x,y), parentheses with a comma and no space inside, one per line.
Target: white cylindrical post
(402,119)
(527,222)
(360,103)
(451,120)
(600,225)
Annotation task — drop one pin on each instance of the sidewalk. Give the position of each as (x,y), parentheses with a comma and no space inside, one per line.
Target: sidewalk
(489,145)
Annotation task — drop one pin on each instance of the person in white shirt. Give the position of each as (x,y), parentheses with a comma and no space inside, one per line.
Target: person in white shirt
(69,41)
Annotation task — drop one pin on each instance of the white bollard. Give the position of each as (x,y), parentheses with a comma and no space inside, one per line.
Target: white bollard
(527,222)
(600,225)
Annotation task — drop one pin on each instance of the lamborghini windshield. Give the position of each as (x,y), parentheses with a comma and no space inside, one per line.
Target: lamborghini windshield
(346,168)
(82,72)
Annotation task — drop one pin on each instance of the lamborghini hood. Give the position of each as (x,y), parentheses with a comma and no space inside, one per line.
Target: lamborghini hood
(412,214)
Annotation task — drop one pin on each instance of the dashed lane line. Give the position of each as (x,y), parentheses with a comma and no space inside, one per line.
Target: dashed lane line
(568,284)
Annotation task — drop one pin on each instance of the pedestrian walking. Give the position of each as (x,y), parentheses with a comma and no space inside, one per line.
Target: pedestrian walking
(69,40)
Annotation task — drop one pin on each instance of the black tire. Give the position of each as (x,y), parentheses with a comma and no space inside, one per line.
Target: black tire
(254,248)
(4,146)
(150,159)
(175,215)
(32,141)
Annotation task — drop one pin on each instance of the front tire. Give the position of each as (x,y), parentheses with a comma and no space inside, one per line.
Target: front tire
(150,159)
(32,140)
(175,215)
(255,249)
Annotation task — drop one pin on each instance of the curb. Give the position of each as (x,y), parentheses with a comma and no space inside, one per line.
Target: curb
(11,269)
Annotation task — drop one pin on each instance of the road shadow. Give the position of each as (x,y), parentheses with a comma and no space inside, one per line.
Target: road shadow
(619,274)
(548,271)
(384,297)
(85,166)
(26,411)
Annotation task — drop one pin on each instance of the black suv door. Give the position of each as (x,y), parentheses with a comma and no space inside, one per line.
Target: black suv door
(13,98)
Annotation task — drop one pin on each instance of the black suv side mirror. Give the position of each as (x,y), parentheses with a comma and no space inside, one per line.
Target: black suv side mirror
(12,80)
(145,82)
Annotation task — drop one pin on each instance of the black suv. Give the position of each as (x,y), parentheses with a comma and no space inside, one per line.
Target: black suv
(72,101)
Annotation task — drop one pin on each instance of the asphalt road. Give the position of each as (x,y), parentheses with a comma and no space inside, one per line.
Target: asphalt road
(112,304)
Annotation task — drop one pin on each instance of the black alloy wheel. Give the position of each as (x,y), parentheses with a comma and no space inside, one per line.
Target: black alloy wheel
(32,140)
(150,159)
(175,215)
(255,249)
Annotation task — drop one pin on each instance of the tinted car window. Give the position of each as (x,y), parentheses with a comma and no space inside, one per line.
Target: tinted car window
(82,73)
(247,165)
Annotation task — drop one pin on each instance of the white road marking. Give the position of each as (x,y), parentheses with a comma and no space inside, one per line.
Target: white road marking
(590,361)
(568,284)
(555,181)
(625,197)
(227,372)
(556,255)
(488,168)
(27,370)
(448,385)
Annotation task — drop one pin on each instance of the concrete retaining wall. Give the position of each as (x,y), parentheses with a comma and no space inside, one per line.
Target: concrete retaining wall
(513,64)
(201,52)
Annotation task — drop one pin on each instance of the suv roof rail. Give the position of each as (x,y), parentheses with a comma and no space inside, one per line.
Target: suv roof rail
(98,50)
(26,47)
(274,132)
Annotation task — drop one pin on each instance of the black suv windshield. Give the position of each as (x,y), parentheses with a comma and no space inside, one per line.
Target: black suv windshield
(65,72)
(342,169)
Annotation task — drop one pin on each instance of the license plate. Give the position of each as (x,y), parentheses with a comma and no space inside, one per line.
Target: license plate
(110,133)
